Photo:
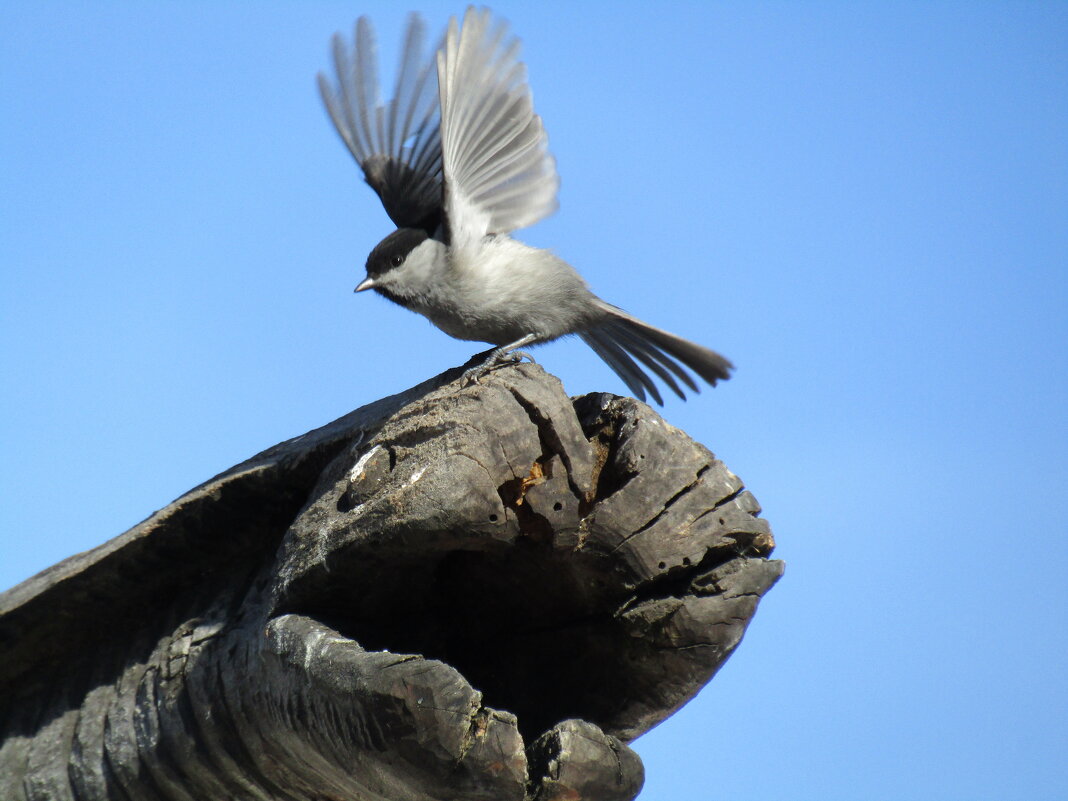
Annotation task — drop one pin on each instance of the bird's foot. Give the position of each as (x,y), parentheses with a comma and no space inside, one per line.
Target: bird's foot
(495,359)
(518,355)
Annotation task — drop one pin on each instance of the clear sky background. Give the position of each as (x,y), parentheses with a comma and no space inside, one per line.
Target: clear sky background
(865,206)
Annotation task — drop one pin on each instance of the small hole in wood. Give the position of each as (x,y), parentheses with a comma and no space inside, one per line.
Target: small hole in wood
(493,518)
(662,565)
(557,506)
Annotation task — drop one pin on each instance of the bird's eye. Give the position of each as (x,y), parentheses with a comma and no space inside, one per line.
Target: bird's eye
(396,260)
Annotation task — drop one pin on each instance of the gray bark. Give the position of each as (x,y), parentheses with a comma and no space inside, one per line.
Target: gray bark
(314,622)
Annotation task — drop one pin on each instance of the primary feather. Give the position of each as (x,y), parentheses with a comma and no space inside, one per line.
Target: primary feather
(499,175)
(397,144)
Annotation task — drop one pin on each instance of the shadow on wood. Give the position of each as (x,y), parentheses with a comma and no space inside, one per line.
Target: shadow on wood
(314,623)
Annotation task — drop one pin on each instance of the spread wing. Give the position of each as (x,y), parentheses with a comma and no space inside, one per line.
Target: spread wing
(397,144)
(498,172)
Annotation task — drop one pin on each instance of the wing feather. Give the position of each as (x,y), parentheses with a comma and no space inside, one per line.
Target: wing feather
(498,172)
(396,143)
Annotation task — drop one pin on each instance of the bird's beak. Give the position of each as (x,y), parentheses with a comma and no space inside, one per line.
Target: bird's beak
(366,283)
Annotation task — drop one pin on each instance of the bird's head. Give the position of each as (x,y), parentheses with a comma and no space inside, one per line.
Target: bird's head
(400,261)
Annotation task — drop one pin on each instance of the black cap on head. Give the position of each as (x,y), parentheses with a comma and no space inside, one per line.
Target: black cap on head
(391,252)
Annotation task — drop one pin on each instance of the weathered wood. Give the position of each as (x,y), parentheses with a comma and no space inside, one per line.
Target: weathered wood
(314,623)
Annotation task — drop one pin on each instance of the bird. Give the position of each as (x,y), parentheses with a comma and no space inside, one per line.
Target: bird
(459,161)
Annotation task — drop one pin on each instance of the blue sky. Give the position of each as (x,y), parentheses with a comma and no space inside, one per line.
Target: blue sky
(865,206)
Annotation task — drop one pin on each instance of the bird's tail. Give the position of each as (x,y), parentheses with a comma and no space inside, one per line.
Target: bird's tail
(621,338)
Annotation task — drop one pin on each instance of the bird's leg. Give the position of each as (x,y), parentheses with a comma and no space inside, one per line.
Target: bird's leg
(505,354)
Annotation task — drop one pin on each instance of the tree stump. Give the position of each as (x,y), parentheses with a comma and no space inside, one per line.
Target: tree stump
(477,592)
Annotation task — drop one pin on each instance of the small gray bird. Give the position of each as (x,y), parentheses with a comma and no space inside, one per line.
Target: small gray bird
(459,159)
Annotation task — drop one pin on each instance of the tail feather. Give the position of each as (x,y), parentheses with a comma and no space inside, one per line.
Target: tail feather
(655,359)
(623,365)
(620,337)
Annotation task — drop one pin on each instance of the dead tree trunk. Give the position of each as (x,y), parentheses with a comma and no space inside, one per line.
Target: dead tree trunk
(312,624)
